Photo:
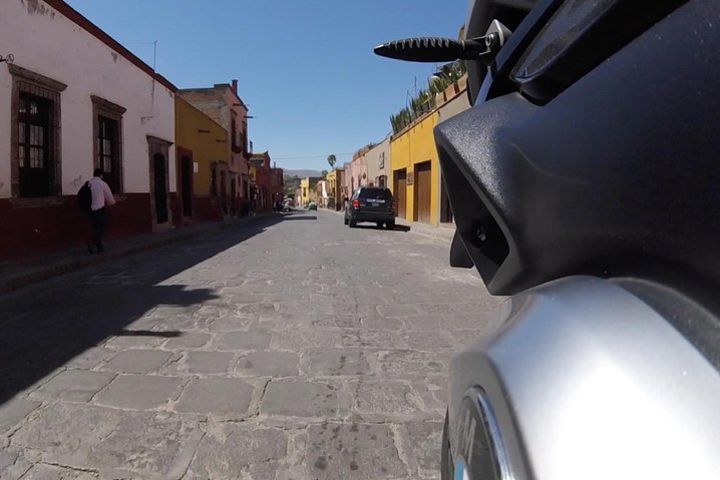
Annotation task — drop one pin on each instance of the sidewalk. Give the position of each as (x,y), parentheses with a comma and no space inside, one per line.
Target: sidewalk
(443,232)
(15,274)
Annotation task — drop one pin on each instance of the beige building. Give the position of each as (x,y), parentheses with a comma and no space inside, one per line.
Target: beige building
(377,160)
(457,104)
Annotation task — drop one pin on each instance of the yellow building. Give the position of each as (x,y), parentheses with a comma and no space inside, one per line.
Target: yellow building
(416,179)
(307,190)
(333,188)
(416,171)
(304,191)
(204,186)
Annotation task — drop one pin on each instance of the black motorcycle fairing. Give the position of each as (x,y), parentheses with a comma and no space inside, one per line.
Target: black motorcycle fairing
(618,174)
(511,14)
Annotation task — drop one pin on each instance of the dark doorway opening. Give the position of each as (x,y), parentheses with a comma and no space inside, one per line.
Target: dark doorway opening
(423,187)
(186,174)
(160,178)
(233,194)
(400,191)
(223,192)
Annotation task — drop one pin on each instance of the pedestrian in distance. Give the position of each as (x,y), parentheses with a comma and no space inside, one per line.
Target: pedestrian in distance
(93,198)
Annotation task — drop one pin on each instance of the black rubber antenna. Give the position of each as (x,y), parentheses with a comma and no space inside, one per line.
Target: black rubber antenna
(432,49)
(435,50)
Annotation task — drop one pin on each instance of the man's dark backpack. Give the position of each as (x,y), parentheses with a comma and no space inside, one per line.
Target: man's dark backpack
(84,197)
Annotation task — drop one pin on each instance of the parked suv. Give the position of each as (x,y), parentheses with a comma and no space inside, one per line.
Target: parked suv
(371,204)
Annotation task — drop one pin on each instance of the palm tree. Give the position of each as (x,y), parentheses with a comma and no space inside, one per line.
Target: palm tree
(331,160)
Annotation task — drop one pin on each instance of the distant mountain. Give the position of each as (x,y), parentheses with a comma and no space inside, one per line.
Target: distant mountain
(301,173)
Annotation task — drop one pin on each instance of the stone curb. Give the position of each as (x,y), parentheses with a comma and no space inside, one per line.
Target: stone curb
(23,280)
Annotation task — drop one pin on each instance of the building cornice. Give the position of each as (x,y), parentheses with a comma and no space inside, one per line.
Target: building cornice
(76,17)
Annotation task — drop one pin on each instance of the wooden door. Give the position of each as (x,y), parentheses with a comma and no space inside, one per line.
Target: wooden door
(422,192)
(400,192)
(186,174)
(160,190)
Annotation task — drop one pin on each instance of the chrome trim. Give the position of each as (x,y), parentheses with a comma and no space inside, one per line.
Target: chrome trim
(495,436)
(481,401)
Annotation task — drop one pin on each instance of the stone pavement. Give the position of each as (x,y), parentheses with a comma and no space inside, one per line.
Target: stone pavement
(18,273)
(288,348)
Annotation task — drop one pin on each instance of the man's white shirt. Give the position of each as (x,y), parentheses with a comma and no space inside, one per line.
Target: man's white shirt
(101,194)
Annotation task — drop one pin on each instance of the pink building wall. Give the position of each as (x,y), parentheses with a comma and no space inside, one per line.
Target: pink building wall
(356,174)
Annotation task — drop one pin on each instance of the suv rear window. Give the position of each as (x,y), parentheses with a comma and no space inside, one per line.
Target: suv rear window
(375,193)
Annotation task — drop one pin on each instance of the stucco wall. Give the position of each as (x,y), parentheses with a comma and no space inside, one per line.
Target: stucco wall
(358,173)
(218,102)
(207,141)
(374,157)
(45,42)
(417,145)
(457,104)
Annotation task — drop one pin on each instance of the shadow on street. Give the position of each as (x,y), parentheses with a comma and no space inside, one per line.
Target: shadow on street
(301,217)
(398,228)
(46,325)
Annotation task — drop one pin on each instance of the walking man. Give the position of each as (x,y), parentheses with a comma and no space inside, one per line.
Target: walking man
(101,197)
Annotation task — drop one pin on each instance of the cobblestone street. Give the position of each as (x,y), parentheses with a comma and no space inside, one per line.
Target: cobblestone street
(285,348)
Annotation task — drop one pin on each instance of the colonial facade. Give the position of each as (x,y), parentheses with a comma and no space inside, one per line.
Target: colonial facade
(356,173)
(261,195)
(75,100)
(201,145)
(322,193)
(416,171)
(334,180)
(222,103)
(377,160)
(277,184)
(416,180)
(308,190)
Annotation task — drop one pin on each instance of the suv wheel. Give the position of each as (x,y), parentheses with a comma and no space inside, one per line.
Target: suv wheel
(353,223)
(390,225)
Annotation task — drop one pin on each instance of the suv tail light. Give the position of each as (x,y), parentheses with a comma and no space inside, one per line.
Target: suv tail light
(356,203)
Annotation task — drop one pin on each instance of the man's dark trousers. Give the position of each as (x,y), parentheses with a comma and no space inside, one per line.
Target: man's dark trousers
(98,222)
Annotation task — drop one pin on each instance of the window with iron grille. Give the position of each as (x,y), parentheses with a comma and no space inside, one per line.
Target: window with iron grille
(108,141)
(108,151)
(35,159)
(35,134)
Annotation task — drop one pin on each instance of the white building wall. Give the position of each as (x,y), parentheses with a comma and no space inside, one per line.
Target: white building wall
(45,42)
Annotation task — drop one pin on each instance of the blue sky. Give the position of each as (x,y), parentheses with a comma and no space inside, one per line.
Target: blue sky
(305,67)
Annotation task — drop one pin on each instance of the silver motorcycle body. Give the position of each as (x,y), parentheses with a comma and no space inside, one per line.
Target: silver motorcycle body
(585,184)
